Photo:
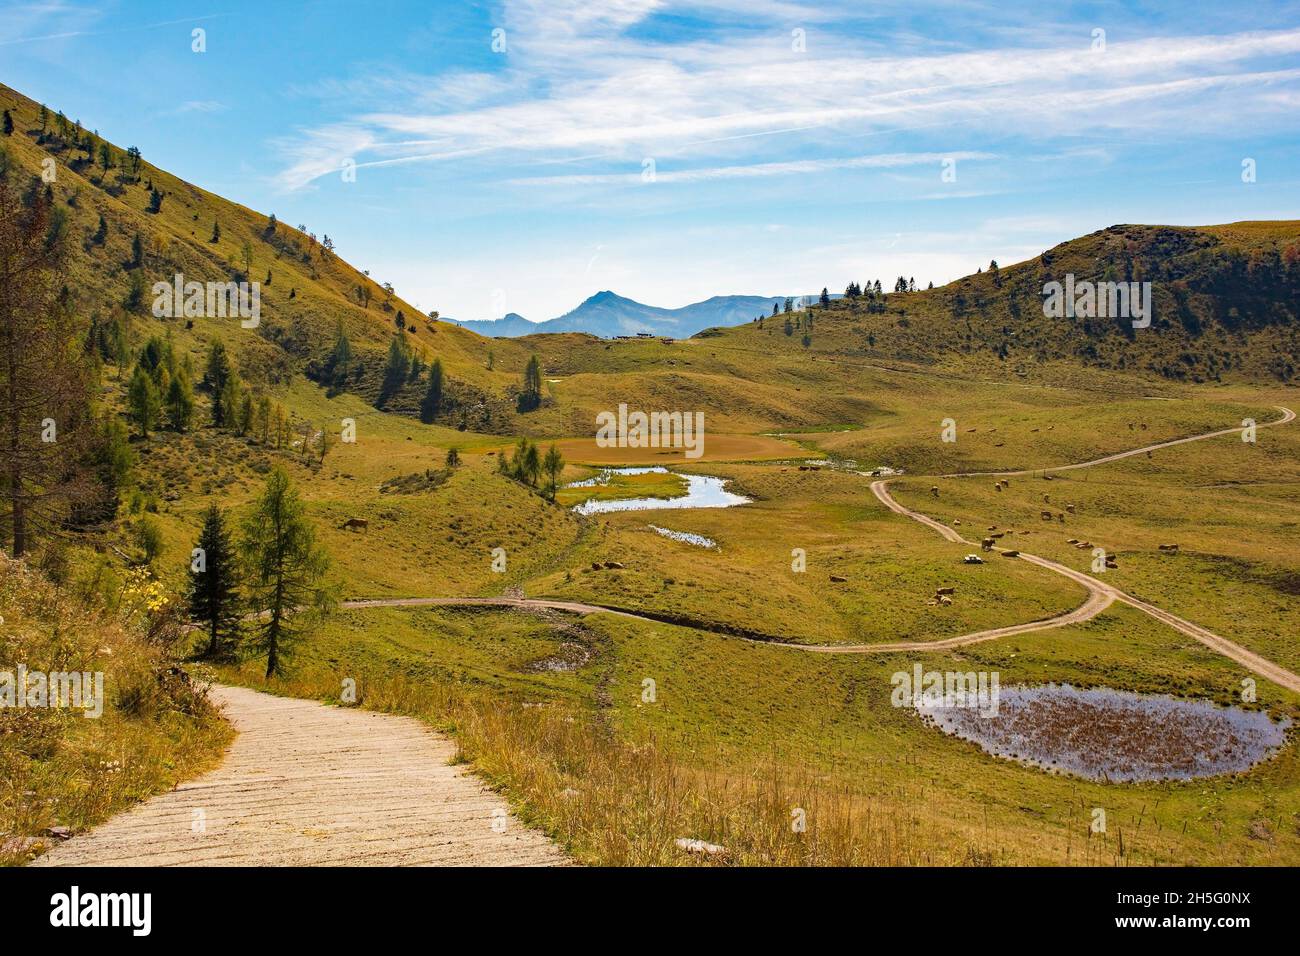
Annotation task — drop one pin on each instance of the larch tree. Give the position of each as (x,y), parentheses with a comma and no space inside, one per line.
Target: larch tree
(46,420)
(553,464)
(286,571)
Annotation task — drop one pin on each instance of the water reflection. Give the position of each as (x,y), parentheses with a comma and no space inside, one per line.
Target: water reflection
(702,491)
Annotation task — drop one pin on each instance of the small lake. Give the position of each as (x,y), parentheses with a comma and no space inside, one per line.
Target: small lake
(702,491)
(1116,736)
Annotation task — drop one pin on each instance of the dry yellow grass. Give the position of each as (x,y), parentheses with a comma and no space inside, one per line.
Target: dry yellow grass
(59,768)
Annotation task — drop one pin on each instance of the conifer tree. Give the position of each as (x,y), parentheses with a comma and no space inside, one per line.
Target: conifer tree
(213,595)
(286,570)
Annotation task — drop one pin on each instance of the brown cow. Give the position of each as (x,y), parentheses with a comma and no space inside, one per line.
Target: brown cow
(356,524)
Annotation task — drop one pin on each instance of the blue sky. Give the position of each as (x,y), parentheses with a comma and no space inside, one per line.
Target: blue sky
(675,151)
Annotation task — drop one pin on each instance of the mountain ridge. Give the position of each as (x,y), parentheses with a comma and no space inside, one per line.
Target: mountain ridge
(606,314)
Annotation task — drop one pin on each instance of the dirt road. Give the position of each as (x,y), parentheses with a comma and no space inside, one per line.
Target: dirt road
(1101,594)
(306,784)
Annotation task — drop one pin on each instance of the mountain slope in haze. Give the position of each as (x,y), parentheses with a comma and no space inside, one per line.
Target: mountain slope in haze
(608,315)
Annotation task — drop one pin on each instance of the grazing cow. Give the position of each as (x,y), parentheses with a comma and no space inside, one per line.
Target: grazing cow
(356,524)
(1070,508)
(997,487)
(1046,515)
(934,490)
(987,544)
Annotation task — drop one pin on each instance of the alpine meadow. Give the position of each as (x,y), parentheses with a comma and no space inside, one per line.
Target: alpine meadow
(973,544)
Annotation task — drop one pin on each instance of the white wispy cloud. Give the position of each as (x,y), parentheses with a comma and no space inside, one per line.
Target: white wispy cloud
(200,106)
(795,167)
(614,97)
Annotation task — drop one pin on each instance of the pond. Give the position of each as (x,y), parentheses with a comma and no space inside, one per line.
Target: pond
(702,491)
(1116,736)
(686,537)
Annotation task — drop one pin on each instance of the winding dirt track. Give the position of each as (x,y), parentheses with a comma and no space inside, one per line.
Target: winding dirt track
(309,785)
(1100,594)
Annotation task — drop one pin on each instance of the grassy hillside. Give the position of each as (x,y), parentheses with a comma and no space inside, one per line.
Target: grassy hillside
(1225,299)
(550,706)
(311,294)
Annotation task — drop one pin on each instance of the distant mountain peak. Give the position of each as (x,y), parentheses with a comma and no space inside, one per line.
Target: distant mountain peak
(604,296)
(609,314)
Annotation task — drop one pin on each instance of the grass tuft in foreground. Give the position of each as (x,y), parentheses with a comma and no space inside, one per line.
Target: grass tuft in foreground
(60,771)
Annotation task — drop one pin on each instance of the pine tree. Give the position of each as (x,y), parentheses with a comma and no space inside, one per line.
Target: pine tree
(286,569)
(216,232)
(143,401)
(109,465)
(101,233)
(262,419)
(432,403)
(246,413)
(218,368)
(225,407)
(531,396)
(395,370)
(213,595)
(553,464)
(531,466)
(339,365)
(180,402)
(8,124)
